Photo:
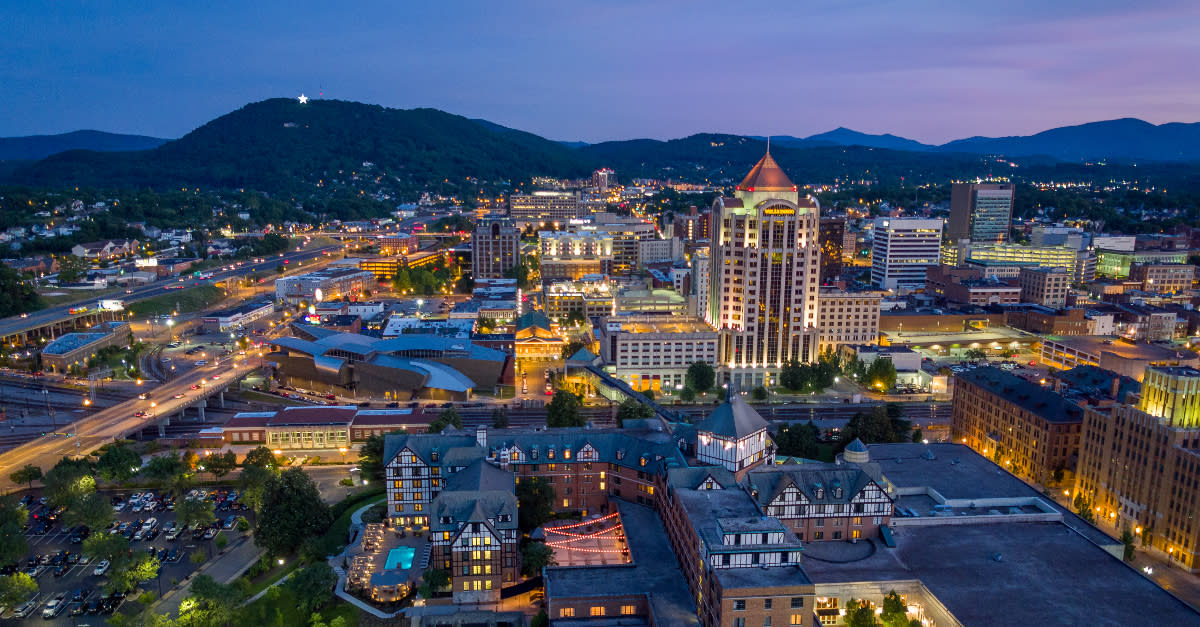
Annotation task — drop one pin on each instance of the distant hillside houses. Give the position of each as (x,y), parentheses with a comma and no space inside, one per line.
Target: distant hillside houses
(105,249)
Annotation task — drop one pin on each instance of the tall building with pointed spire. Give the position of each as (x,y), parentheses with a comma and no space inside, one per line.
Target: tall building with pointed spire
(765,271)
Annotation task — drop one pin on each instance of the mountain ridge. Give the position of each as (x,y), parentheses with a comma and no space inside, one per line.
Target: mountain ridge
(34,147)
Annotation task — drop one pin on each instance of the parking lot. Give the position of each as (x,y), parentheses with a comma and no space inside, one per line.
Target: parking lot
(76,577)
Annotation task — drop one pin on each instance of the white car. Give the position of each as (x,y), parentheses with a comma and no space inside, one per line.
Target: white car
(54,606)
(137,507)
(120,506)
(25,610)
(149,524)
(139,534)
(150,507)
(101,568)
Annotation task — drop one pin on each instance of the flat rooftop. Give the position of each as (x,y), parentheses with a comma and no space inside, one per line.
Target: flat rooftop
(1096,344)
(1027,573)
(71,341)
(654,572)
(672,324)
(1032,397)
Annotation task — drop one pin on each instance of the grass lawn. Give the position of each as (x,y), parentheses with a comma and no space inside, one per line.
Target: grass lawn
(190,299)
(334,539)
(261,582)
(278,609)
(79,296)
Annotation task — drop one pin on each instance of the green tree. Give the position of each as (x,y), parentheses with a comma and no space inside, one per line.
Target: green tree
(140,567)
(500,418)
(534,557)
(312,586)
(448,417)
(292,512)
(1083,508)
(188,512)
(535,503)
(71,268)
(12,537)
(975,353)
(859,614)
(572,347)
(576,318)
(69,480)
(881,375)
(630,409)
(759,393)
(563,410)
(895,613)
(165,467)
(540,619)
(402,282)
(432,581)
(91,510)
(118,463)
(220,464)
(917,436)
(687,395)
(215,603)
(16,589)
(798,440)
(878,425)
(370,457)
(1127,540)
(260,456)
(252,483)
(27,474)
(700,377)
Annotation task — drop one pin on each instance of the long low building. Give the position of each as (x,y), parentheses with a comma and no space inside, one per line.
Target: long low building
(414,365)
(238,316)
(76,348)
(322,285)
(653,352)
(320,427)
(1112,353)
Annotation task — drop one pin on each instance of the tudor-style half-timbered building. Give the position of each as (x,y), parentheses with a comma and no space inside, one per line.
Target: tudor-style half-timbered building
(734,436)
(822,501)
(474,534)
(416,468)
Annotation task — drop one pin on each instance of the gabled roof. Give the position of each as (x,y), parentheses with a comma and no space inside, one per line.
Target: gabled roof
(768,483)
(734,418)
(422,444)
(767,176)
(533,318)
(481,475)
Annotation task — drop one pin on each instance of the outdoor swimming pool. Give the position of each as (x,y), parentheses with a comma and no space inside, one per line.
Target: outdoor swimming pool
(400,557)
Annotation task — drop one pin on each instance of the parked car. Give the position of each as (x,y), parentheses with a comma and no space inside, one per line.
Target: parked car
(54,606)
(210,533)
(101,568)
(25,609)
(173,554)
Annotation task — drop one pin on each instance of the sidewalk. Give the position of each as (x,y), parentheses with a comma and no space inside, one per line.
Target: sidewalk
(224,568)
(356,527)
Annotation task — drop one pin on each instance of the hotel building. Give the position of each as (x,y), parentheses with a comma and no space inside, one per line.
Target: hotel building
(765,270)
(903,249)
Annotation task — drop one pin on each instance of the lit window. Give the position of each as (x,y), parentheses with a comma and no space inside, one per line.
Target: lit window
(566,612)
(628,610)
(597,610)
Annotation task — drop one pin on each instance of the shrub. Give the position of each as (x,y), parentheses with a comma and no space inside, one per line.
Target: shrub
(198,557)
(222,542)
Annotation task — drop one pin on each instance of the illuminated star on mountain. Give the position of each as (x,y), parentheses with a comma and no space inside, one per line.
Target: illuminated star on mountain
(303,99)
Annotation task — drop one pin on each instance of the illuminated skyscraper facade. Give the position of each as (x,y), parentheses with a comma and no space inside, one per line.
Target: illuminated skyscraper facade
(764,280)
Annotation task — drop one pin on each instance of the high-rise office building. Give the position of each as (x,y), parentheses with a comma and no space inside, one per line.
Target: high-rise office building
(495,248)
(980,212)
(903,248)
(763,284)
(1139,464)
(832,238)
(603,178)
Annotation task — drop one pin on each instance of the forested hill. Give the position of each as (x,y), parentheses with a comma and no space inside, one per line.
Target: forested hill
(282,146)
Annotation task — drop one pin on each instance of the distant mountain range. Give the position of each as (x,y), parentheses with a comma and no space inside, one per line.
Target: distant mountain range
(284,147)
(35,147)
(1126,139)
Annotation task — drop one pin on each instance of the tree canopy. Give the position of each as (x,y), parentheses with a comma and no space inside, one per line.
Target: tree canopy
(313,586)
(630,409)
(118,463)
(260,456)
(701,377)
(26,474)
(13,544)
(448,417)
(563,410)
(535,503)
(370,457)
(291,512)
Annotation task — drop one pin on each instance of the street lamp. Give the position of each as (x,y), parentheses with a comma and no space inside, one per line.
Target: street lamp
(342,450)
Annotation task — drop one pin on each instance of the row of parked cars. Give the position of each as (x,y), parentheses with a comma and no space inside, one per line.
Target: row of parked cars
(143,502)
(57,603)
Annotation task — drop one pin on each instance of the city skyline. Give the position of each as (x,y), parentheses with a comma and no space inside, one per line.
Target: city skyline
(611,72)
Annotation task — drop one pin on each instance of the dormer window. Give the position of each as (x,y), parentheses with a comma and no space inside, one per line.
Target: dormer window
(567,454)
(433,455)
(550,454)
(447,520)
(642,461)
(620,453)
(837,493)
(819,492)
(533,454)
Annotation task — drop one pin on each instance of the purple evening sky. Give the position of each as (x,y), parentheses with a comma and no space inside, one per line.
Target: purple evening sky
(593,71)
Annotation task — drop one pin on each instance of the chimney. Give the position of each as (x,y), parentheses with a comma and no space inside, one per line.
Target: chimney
(1116,388)
(481,436)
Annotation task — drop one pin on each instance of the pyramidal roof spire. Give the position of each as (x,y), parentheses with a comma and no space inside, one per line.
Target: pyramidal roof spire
(767,176)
